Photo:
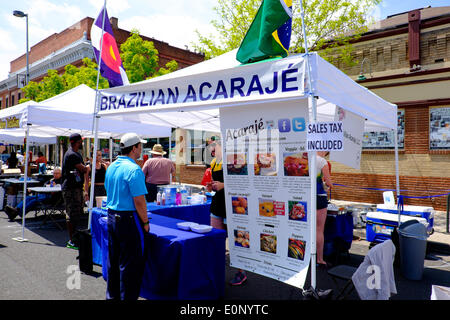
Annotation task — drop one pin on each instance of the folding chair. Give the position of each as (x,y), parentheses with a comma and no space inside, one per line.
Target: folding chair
(383,252)
(343,272)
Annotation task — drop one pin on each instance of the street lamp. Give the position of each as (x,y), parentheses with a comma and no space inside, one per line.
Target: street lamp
(20,14)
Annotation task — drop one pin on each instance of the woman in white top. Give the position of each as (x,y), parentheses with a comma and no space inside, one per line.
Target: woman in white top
(323,176)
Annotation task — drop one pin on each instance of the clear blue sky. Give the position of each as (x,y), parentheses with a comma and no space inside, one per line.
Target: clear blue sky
(390,7)
(173,21)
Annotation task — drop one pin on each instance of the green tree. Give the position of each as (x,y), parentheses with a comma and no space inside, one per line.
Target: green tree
(330,25)
(140,59)
(54,83)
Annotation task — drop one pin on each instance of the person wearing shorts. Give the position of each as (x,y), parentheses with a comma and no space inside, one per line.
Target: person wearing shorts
(73,170)
(323,175)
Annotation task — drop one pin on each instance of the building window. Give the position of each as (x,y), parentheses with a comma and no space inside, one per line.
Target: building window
(12,100)
(439,128)
(19,96)
(385,139)
(7,105)
(1,103)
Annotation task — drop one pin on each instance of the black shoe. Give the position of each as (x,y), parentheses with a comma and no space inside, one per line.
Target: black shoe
(11,212)
(319,294)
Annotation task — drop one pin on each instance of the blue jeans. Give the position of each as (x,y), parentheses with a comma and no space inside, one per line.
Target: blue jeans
(31,202)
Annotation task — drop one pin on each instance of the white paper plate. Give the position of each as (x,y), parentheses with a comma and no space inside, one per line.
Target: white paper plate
(186,225)
(201,228)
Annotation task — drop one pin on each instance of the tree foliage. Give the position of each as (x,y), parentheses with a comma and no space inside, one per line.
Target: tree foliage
(140,59)
(330,25)
(54,83)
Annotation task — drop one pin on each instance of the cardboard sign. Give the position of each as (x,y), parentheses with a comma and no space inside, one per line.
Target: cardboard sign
(325,136)
(353,126)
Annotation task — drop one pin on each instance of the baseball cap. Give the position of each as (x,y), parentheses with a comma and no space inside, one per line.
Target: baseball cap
(130,139)
(75,137)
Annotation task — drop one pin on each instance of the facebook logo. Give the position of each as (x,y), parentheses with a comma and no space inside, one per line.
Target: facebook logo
(298,124)
(284,125)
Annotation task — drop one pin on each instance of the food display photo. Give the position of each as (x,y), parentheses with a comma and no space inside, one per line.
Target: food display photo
(237,164)
(239,205)
(241,238)
(296,249)
(265,164)
(270,208)
(297,210)
(295,164)
(268,243)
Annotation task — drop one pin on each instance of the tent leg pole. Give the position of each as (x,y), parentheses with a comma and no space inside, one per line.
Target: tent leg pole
(397,177)
(25,175)
(93,169)
(110,149)
(312,158)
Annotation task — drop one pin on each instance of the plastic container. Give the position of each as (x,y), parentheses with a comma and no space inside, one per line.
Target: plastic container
(186,225)
(413,246)
(201,228)
(158,198)
(413,211)
(380,225)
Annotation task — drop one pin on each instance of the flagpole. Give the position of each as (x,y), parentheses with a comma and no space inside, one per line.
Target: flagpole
(96,117)
(312,167)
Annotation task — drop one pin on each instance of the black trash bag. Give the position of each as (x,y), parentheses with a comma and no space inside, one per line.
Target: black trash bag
(83,240)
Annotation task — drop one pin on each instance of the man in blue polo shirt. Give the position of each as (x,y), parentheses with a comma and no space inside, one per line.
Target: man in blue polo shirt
(127,221)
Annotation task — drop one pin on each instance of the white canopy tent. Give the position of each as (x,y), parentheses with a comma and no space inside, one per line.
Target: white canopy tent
(330,85)
(69,112)
(191,98)
(16,136)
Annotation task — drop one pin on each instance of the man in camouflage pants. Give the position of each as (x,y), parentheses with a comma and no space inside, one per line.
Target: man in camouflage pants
(73,170)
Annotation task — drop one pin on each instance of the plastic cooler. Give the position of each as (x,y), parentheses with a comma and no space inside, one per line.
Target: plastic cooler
(379,225)
(413,211)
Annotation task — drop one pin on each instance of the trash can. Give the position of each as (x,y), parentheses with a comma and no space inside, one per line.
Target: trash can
(413,245)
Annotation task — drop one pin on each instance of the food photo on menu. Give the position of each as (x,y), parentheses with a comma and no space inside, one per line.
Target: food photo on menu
(295,164)
(237,164)
(242,238)
(265,164)
(268,243)
(297,210)
(270,208)
(296,249)
(240,205)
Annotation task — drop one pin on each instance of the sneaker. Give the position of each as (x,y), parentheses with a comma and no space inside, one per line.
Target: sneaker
(239,278)
(71,245)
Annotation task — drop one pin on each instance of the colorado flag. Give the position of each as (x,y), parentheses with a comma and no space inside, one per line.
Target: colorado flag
(111,66)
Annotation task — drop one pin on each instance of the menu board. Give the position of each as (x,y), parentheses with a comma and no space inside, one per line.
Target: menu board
(267,189)
(385,139)
(439,128)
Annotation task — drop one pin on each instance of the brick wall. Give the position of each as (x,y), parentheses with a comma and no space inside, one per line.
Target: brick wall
(411,186)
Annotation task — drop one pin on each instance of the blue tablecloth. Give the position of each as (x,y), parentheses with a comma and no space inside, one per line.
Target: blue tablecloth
(338,227)
(195,213)
(181,264)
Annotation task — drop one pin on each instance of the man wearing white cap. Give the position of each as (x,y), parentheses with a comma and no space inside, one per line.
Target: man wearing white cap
(157,171)
(127,221)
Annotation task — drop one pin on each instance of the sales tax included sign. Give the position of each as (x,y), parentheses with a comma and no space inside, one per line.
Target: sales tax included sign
(325,136)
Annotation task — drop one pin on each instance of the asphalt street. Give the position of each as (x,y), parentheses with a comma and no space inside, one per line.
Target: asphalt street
(42,269)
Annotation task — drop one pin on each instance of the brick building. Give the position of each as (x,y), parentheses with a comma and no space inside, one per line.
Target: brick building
(70,46)
(405,60)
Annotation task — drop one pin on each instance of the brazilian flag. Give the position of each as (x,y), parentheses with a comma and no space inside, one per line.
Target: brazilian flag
(269,34)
